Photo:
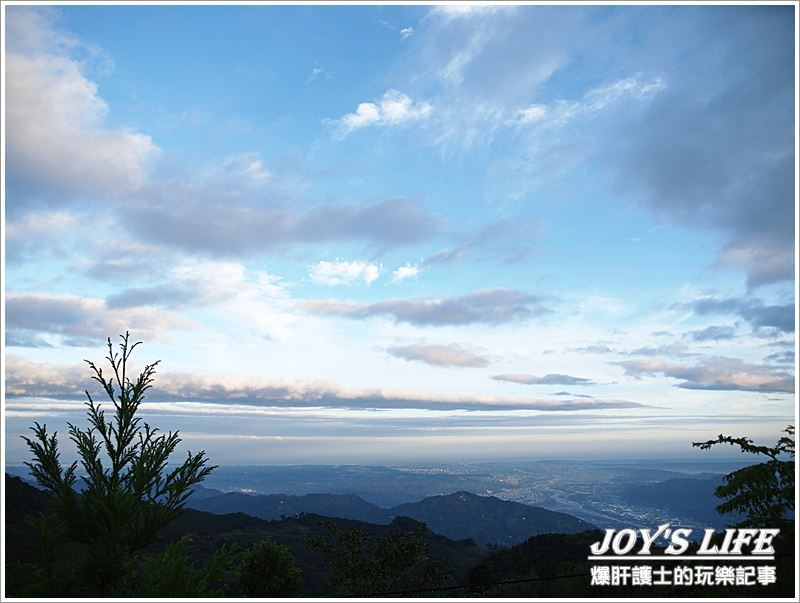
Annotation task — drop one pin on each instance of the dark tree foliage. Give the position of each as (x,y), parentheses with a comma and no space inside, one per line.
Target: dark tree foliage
(364,568)
(763,492)
(174,573)
(268,569)
(129,494)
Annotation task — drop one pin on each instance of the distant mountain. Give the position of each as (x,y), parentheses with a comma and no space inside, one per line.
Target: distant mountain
(200,492)
(382,486)
(687,497)
(544,566)
(275,506)
(485,519)
(210,531)
(22,499)
(489,520)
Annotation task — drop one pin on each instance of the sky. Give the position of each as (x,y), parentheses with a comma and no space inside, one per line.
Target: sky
(390,234)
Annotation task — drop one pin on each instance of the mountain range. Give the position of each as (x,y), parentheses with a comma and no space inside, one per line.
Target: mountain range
(546,565)
(485,519)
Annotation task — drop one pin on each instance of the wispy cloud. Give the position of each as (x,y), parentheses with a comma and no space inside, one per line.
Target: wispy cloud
(241,228)
(488,306)
(668,137)
(593,101)
(28,234)
(168,295)
(549,379)
(446,257)
(451,355)
(759,315)
(124,261)
(595,348)
(465,9)
(25,339)
(315,73)
(243,302)
(712,333)
(683,159)
(504,241)
(668,349)
(781,358)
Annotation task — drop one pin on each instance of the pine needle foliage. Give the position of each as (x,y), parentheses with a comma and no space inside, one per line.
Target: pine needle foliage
(129,492)
(763,492)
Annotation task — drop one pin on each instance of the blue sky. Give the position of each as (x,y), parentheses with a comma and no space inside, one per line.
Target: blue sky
(395,233)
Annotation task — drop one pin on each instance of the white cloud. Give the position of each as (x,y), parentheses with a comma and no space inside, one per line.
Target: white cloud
(393,108)
(32,31)
(365,115)
(404,272)
(344,273)
(237,300)
(212,296)
(532,113)
(57,142)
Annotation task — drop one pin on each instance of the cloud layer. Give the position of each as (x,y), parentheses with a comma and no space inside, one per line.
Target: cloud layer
(759,315)
(712,333)
(484,168)
(80,321)
(25,378)
(488,306)
(685,158)
(727,374)
(246,229)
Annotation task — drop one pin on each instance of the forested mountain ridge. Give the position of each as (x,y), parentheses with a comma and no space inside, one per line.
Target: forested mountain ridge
(208,532)
(546,565)
(485,519)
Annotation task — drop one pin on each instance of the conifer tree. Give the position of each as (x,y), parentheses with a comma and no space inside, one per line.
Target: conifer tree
(764,492)
(268,569)
(129,492)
